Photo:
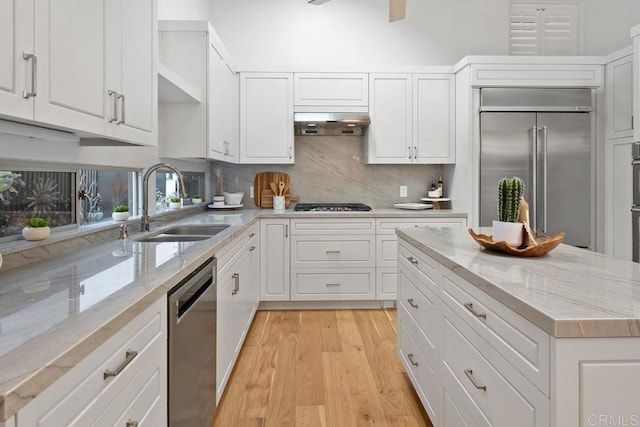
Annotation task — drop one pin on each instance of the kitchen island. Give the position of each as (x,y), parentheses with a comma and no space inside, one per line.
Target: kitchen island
(491,339)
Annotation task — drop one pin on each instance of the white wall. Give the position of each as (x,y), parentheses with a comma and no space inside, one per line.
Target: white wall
(356,33)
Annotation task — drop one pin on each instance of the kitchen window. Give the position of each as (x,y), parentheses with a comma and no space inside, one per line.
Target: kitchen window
(167,186)
(100,191)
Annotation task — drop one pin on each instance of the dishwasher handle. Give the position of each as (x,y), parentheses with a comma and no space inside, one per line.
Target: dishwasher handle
(186,293)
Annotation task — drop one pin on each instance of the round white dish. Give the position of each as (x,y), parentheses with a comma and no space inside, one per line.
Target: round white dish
(413,206)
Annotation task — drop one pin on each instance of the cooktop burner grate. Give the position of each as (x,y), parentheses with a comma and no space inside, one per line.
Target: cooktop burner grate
(331,207)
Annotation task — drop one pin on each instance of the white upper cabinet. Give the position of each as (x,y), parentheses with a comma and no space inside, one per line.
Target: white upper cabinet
(619,88)
(266,118)
(205,119)
(412,119)
(434,118)
(16,39)
(86,66)
(635,33)
(389,136)
(347,91)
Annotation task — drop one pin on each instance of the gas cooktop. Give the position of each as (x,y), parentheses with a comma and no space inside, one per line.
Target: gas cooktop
(331,207)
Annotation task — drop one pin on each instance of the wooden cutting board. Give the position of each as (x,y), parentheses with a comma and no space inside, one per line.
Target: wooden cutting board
(261,183)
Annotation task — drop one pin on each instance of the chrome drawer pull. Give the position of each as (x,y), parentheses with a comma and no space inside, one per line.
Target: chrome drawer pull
(252,248)
(413,362)
(236,283)
(333,284)
(131,424)
(412,260)
(333,252)
(130,355)
(34,70)
(411,303)
(252,235)
(469,306)
(122,120)
(469,374)
(114,94)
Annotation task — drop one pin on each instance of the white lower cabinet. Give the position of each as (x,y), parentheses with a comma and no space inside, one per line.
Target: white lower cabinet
(237,301)
(387,249)
(275,260)
(333,259)
(122,381)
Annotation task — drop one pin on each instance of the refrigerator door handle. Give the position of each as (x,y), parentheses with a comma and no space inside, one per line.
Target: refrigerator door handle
(544,179)
(534,169)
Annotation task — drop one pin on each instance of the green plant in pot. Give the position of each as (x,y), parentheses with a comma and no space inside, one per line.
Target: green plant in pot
(174,202)
(120,213)
(508,228)
(196,198)
(36,229)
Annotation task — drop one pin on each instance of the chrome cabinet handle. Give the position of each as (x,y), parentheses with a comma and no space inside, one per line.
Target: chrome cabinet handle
(469,374)
(286,230)
(413,362)
(333,284)
(469,306)
(252,248)
(410,154)
(251,235)
(129,356)
(412,260)
(333,252)
(415,152)
(131,424)
(114,94)
(34,70)
(226,148)
(122,113)
(290,152)
(236,284)
(411,303)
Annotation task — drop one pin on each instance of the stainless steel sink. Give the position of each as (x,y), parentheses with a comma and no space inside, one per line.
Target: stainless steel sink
(184,233)
(208,230)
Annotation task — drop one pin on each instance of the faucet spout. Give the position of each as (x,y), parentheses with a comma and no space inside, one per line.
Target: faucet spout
(144,222)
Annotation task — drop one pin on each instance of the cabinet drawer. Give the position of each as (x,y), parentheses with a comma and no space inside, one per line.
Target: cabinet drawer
(141,400)
(82,394)
(389,225)
(421,305)
(345,284)
(333,225)
(419,265)
(333,251)
(491,383)
(422,374)
(227,255)
(520,342)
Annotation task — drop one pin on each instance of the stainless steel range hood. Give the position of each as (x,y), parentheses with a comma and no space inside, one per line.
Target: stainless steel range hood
(331,124)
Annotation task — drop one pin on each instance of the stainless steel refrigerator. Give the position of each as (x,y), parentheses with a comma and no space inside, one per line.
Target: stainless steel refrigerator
(544,137)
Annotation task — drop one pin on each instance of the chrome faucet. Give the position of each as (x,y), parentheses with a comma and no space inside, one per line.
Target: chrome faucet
(144,222)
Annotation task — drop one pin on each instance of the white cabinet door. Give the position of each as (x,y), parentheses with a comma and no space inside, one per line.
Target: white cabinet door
(331,89)
(275,262)
(16,39)
(434,118)
(622,200)
(70,47)
(266,118)
(636,86)
(224,330)
(620,98)
(222,106)
(389,136)
(137,68)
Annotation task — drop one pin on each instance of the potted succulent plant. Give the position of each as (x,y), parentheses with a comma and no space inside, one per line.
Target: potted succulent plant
(196,198)
(37,229)
(174,202)
(120,213)
(508,228)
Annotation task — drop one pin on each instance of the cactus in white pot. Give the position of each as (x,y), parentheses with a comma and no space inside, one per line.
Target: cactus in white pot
(507,228)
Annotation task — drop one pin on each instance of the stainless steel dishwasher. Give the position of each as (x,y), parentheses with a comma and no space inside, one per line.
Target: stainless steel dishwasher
(192,348)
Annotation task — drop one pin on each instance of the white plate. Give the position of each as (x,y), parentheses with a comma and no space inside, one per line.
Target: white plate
(224,206)
(439,199)
(414,206)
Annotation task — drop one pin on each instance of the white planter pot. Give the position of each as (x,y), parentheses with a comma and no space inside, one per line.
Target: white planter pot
(120,216)
(36,233)
(510,232)
(196,201)
(174,205)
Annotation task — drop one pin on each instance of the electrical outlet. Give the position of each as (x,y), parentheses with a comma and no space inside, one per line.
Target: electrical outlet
(403,191)
(251,192)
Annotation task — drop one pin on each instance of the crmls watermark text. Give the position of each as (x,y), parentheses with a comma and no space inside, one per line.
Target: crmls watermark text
(602,420)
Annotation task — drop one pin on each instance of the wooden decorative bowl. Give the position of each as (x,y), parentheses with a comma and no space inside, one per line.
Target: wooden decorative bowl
(544,244)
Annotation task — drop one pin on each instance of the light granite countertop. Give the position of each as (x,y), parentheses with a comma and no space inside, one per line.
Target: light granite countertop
(56,311)
(569,292)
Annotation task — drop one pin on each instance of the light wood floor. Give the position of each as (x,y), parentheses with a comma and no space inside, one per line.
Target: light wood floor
(335,368)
